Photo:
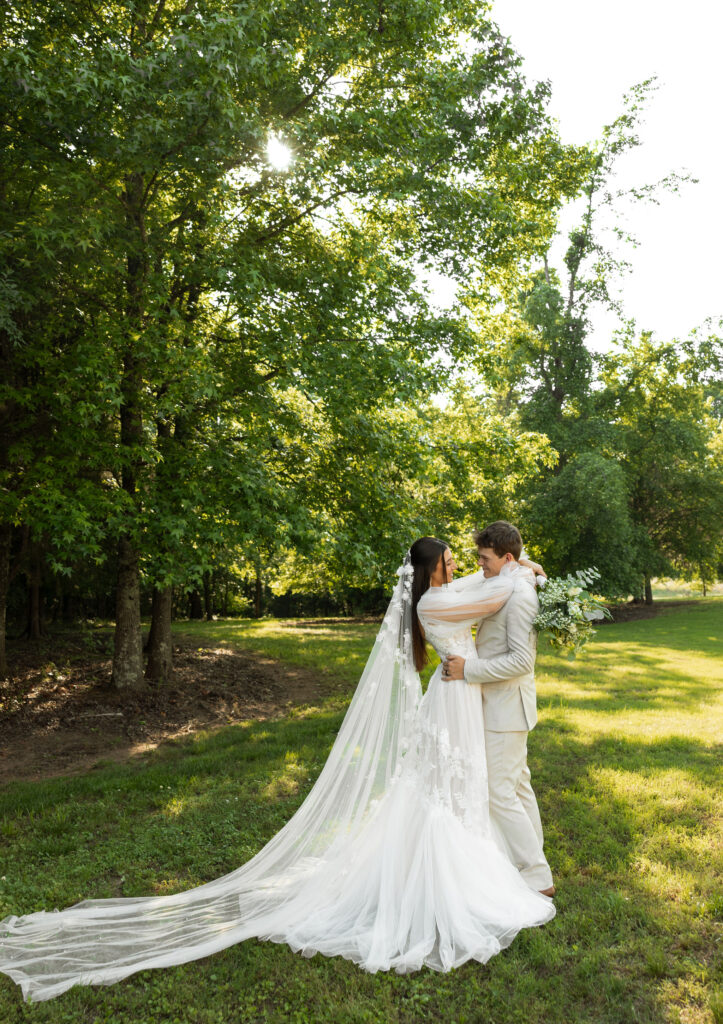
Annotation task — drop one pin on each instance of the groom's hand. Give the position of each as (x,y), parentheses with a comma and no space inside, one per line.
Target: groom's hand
(453,667)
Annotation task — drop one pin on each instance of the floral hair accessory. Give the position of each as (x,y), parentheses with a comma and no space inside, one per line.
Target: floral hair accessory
(406,569)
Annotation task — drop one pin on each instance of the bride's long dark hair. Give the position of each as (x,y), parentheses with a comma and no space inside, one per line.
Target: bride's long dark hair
(425,554)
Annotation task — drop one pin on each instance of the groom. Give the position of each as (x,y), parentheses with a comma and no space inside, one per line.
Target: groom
(504,670)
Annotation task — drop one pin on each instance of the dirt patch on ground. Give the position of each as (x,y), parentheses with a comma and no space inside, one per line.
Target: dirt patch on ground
(60,717)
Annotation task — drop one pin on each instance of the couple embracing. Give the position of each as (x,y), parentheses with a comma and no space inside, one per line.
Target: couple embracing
(420,843)
(503,667)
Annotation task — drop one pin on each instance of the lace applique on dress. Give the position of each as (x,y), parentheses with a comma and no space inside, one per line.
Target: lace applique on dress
(443,774)
(446,776)
(460,642)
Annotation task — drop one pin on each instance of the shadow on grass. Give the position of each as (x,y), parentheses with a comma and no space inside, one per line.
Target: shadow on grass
(696,630)
(566,766)
(253,760)
(637,680)
(629,830)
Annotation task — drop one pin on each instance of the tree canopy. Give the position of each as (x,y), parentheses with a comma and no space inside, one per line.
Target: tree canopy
(216,367)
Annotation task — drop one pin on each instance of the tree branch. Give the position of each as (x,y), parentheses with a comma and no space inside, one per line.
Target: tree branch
(156,18)
(288,222)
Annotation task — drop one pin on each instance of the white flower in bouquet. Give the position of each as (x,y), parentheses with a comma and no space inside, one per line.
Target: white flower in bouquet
(568,609)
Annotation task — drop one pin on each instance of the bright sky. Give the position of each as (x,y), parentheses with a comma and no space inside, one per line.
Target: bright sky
(592,54)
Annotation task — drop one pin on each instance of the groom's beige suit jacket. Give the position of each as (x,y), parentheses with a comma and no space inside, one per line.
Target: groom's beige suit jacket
(505,664)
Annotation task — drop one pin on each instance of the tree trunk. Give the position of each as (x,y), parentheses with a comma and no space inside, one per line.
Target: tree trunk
(160,644)
(58,601)
(6,533)
(196,605)
(128,646)
(207,597)
(648,590)
(35,629)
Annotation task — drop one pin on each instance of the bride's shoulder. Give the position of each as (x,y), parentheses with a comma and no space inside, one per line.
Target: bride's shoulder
(433,598)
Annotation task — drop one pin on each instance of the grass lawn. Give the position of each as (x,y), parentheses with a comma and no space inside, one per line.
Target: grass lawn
(627,773)
(685,589)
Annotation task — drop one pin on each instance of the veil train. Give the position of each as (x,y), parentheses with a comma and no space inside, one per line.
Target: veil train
(98,942)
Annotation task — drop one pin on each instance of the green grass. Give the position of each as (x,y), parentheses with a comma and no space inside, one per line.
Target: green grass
(672,589)
(335,646)
(627,773)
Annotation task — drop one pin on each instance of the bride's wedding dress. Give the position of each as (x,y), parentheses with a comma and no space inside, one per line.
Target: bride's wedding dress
(391,860)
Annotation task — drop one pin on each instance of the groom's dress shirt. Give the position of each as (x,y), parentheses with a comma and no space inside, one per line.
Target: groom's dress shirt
(506,644)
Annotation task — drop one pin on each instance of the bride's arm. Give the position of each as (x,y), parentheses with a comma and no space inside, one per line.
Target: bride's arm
(478,598)
(519,658)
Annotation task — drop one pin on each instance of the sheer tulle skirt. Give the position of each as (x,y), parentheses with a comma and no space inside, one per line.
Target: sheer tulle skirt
(425,883)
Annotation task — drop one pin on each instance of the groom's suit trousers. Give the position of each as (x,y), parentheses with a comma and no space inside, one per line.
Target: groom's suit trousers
(504,670)
(513,807)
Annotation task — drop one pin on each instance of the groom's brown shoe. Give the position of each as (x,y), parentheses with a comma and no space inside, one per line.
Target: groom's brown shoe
(548,892)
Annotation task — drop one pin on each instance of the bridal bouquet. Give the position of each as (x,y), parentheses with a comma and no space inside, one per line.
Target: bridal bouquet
(568,610)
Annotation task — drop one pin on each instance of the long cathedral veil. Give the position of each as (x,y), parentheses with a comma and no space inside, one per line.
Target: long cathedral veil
(101,941)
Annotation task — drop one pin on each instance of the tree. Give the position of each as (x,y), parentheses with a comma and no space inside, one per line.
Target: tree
(536,357)
(540,370)
(406,473)
(153,208)
(581,518)
(660,399)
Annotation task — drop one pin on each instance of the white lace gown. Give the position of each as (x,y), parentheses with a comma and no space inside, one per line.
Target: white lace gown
(390,861)
(427,883)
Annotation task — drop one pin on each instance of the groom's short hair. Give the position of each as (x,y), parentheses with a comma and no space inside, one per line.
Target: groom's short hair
(502,537)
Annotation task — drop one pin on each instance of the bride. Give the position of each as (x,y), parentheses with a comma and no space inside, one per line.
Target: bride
(391,861)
